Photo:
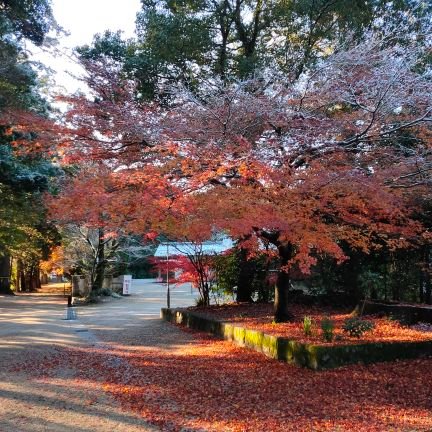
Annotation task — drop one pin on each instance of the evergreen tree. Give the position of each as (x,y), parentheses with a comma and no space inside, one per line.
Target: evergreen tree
(24,176)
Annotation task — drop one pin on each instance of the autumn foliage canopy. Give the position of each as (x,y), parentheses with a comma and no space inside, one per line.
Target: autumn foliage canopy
(311,167)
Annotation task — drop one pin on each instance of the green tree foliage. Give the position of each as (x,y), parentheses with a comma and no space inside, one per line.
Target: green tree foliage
(20,19)
(201,43)
(24,232)
(244,278)
(29,19)
(24,176)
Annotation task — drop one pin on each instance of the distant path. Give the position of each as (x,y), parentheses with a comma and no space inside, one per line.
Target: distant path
(38,393)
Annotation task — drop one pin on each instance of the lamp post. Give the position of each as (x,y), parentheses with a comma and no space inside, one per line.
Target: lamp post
(167,276)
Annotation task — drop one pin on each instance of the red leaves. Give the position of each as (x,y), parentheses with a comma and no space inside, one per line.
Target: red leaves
(208,384)
(238,161)
(215,386)
(151,236)
(259,317)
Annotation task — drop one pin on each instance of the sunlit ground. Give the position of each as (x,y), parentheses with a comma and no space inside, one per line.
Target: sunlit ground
(119,367)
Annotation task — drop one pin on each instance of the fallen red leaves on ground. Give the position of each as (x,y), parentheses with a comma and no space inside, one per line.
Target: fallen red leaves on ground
(212,385)
(260,317)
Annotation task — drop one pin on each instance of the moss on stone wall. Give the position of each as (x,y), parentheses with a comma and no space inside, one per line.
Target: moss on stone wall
(239,335)
(254,339)
(306,355)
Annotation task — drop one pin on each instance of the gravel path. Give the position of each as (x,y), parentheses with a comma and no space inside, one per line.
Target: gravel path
(41,388)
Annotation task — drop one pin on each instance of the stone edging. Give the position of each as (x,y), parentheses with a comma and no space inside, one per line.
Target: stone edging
(409,314)
(307,355)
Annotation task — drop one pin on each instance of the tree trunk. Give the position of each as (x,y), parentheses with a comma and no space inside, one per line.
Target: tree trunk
(283,282)
(43,278)
(25,280)
(28,276)
(100,262)
(350,273)
(19,270)
(224,27)
(421,287)
(38,277)
(34,277)
(206,292)
(428,290)
(5,273)
(246,275)
(427,276)
(385,283)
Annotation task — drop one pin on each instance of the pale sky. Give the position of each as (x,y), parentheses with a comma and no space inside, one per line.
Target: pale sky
(82,19)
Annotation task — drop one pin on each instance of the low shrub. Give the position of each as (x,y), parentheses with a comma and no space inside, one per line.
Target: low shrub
(199,302)
(307,325)
(356,326)
(105,292)
(327,327)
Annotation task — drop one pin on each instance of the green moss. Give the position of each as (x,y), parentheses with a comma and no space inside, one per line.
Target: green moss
(312,357)
(253,339)
(269,345)
(228,332)
(239,335)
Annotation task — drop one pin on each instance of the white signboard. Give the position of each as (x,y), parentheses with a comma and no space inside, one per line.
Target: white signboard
(127,282)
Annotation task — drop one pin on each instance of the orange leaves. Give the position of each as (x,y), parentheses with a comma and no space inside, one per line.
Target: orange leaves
(259,317)
(236,161)
(117,200)
(55,261)
(208,384)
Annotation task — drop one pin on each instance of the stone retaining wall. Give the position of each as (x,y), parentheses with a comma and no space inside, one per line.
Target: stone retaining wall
(408,314)
(307,355)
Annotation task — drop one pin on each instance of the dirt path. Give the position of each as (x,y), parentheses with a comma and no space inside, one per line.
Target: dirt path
(41,388)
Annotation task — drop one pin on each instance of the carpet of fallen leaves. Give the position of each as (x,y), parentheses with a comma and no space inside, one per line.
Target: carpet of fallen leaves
(205,384)
(260,317)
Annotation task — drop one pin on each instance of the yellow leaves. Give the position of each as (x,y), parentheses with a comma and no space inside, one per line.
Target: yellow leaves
(244,170)
(55,261)
(221,170)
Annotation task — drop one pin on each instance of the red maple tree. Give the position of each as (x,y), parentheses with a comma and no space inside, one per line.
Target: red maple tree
(304,167)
